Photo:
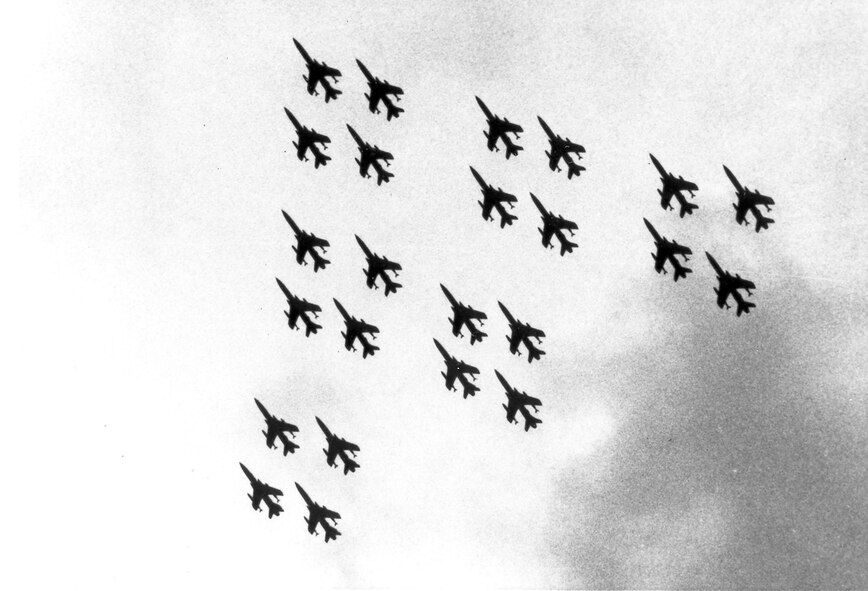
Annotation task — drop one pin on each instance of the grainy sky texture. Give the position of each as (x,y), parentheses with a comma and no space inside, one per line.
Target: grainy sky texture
(680,446)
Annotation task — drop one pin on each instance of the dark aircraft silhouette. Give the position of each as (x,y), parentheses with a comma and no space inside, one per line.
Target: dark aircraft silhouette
(464,316)
(308,140)
(673,187)
(561,148)
(263,492)
(317,515)
(668,250)
(555,226)
(494,199)
(458,370)
(318,73)
(379,266)
(748,201)
(356,329)
(307,244)
(729,286)
(277,429)
(370,157)
(380,91)
(499,129)
(522,333)
(300,308)
(339,447)
(518,402)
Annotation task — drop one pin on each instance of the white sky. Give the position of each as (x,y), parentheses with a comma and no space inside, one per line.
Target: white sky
(680,446)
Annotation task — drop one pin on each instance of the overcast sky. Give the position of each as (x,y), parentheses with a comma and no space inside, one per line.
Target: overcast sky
(681,446)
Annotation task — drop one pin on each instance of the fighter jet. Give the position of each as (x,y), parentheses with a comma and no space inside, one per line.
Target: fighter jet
(494,199)
(668,250)
(555,226)
(307,244)
(729,286)
(380,91)
(522,333)
(317,515)
(308,140)
(356,329)
(518,402)
(338,447)
(673,187)
(277,429)
(263,492)
(748,201)
(300,308)
(370,156)
(500,129)
(457,369)
(379,266)
(318,73)
(561,148)
(464,316)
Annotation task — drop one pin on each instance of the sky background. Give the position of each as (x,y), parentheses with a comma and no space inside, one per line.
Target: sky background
(680,446)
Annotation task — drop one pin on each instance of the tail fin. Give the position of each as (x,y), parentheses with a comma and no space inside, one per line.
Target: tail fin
(681,272)
(392,111)
(574,169)
(745,307)
(507,218)
(530,422)
(763,222)
(350,465)
(476,335)
(383,176)
(330,93)
(320,159)
(289,447)
(368,349)
(534,353)
(687,208)
(512,150)
(319,263)
(392,287)
(567,246)
(310,327)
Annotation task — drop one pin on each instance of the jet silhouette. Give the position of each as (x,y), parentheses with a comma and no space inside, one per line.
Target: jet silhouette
(338,447)
(308,140)
(522,333)
(500,129)
(379,266)
(356,329)
(458,370)
(307,244)
(668,250)
(673,187)
(277,429)
(318,73)
(748,201)
(464,316)
(518,402)
(369,157)
(300,308)
(262,492)
(380,91)
(560,149)
(555,226)
(494,199)
(729,286)
(318,515)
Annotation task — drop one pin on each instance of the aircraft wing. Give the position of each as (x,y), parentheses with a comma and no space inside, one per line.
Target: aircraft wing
(365,327)
(510,127)
(365,72)
(504,197)
(348,446)
(682,185)
(392,89)
(325,429)
(329,514)
(319,138)
(651,229)
(476,314)
(318,242)
(464,367)
(388,265)
(302,52)
(291,223)
(554,157)
(382,154)
(742,283)
(264,412)
(717,269)
(546,128)
(270,490)
(565,224)
(759,199)
(329,71)
(533,332)
(311,307)
(528,400)
(298,126)
(304,495)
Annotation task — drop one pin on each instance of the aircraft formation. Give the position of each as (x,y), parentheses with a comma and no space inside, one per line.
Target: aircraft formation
(496,205)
